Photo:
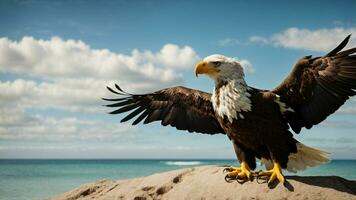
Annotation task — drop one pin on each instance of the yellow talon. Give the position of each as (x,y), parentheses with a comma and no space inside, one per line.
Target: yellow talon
(274,173)
(241,172)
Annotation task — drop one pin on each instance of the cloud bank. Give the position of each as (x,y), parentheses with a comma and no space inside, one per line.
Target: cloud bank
(65,74)
(313,40)
(70,76)
(58,58)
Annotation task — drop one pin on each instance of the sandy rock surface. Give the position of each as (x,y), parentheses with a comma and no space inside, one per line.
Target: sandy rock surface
(207,182)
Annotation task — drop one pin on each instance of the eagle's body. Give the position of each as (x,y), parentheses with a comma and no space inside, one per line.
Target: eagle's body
(257,121)
(264,120)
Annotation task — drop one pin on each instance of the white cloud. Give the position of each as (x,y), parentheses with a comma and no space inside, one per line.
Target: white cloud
(349,107)
(16,124)
(258,39)
(172,56)
(228,42)
(66,94)
(248,67)
(70,75)
(342,124)
(315,40)
(13,116)
(12,91)
(70,58)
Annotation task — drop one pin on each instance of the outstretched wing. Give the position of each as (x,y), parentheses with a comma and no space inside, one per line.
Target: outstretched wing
(318,86)
(180,107)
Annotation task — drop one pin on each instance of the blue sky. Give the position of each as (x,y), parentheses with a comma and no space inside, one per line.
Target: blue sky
(57,58)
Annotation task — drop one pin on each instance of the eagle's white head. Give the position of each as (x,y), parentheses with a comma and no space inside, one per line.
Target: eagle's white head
(220,68)
(230,96)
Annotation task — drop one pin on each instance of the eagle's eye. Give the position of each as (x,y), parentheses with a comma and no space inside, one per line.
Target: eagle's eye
(216,63)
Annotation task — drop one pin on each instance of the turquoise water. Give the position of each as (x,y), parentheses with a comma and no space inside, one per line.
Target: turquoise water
(40,179)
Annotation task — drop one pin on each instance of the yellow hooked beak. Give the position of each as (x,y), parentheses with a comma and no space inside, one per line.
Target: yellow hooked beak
(205,68)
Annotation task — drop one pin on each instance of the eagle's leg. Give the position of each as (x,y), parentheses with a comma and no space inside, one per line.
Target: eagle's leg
(275,172)
(247,160)
(241,172)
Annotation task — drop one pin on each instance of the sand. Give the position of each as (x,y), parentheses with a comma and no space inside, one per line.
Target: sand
(207,182)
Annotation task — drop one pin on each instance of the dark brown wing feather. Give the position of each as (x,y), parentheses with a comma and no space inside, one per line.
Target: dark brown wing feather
(317,87)
(180,107)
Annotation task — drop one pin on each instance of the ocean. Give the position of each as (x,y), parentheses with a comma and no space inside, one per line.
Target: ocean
(28,179)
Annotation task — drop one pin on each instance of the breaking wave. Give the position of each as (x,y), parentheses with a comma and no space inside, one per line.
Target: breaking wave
(183,163)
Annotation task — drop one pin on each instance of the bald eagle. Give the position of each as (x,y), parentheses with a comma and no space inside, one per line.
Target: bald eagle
(258,122)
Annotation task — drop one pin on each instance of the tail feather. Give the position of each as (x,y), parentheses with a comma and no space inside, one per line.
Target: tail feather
(306,157)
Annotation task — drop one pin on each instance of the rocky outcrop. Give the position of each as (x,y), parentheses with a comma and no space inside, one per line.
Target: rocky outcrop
(207,182)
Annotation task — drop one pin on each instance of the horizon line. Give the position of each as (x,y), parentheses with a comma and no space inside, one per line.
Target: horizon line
(140,159)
